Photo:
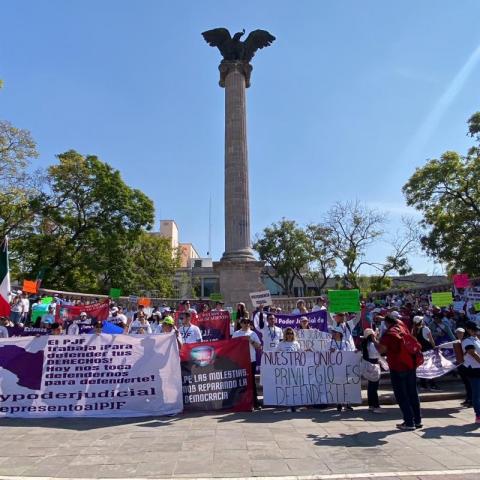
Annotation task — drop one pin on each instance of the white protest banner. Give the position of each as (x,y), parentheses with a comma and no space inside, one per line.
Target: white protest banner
(435,364)
(90,376)
(260,299)
(313,339)
(310,378)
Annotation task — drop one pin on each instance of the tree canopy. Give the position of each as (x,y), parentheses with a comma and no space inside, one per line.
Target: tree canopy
(447,192)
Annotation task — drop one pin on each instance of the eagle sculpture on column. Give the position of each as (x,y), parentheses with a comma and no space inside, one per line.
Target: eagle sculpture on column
(232,48)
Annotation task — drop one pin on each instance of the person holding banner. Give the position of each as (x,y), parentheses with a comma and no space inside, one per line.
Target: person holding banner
(424,336)
(289,342)
(339,343)
(471,349)
(346,327)
(169,327)
(254,344)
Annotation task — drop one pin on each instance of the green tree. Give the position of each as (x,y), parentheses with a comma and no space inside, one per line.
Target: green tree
(18,189)
(322,261)
(153,265)
(284,248)
(447,192)
(84,227)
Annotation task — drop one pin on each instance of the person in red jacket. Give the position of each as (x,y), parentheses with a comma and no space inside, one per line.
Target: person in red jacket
(402,371)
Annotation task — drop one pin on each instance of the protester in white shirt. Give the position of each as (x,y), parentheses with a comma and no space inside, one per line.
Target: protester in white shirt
(188,308)
(289,342)
(254,343)
(26,307)
(339,342)
(301,308)
(320,305)
(271,334)
(190,333)
(346,327)
(140,325)
(471,348)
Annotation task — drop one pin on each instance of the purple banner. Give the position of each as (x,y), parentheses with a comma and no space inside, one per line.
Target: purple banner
(434,365)
(316,320)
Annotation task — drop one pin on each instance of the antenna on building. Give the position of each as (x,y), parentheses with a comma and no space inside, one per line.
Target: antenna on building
(209,226)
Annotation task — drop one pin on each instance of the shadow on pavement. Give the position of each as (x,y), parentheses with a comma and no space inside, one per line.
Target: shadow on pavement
(84,424)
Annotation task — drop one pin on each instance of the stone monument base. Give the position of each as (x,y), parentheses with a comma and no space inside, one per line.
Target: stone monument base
(237,280)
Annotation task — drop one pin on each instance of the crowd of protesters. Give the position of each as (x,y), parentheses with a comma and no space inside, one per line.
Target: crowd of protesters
(388,331)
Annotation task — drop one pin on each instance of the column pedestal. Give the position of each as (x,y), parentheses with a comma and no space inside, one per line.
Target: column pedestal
(238,279)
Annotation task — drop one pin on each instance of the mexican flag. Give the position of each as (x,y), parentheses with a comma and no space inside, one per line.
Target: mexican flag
(4,279)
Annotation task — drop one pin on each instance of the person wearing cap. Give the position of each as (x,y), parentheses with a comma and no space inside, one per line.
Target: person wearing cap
(424,336)
(157,322)
(402,371)
(271,334)
(254,344)
(113,318)
(190,333)
(304,323)
(371,354)
(320,304)
(471,350)
(338,343)
(169,327)
(347,327)
(301,307)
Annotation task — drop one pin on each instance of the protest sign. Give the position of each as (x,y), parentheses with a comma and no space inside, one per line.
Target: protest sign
(435,365)
(115,292)
(461,280)
(311,378)
(39,311)
(144,301)
(458,305)
(133,299)
(313,340)
(261,299)
(214,325)
(89,376)
(442,299)
(46,300)
(343,301)
(30,286)
(215,296)
(476,306)
(217,376)
(316,320)
(95,312)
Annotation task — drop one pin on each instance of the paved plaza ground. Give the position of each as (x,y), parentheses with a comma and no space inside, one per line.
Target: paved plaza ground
(268,443)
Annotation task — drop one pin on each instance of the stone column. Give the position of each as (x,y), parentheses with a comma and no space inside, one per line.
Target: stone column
(238,269)
(235,78)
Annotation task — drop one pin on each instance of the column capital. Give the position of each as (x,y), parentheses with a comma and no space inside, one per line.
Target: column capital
(227,66)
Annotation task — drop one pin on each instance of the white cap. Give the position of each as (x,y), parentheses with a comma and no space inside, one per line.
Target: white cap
(395,314)
(336,329)
(417,319)
(367,332)
(460,329)
(114,310)
(83,313)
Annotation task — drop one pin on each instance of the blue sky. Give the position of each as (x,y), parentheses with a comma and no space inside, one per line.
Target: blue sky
(348,101)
